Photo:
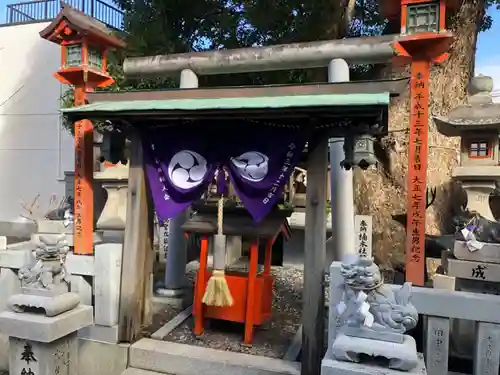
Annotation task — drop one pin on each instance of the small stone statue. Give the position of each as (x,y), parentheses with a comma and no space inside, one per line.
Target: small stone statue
(49,271)
(45,284)
(370,311)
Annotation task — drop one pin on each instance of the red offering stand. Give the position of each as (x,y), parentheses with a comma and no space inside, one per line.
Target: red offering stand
(252,291)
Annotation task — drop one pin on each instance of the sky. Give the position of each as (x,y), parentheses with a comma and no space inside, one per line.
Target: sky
(3,9)
(487,56)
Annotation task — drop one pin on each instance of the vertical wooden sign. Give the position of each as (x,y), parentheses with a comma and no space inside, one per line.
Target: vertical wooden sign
(417,172)
(84,195)
(363,227)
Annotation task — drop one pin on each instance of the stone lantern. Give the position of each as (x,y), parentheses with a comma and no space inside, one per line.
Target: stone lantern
(478,126)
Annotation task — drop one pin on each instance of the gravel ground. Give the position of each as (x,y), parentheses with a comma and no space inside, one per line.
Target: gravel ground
(159,320)
(270,341)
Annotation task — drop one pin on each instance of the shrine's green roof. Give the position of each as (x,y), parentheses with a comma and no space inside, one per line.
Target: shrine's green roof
(232,103)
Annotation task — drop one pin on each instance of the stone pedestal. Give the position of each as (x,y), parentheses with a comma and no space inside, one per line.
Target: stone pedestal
(478,197)
(115,181)
(57,358)
(401,356)
(478,181)
(490,252)
(473,270)
(333,367)
(472,277)
(114,214)
(40,345)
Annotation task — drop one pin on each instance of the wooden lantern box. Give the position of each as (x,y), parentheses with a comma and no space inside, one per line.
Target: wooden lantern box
(252,291)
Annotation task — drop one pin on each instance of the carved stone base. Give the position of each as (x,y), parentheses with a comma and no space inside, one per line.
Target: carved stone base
(52,306)
(334,367)
(401,356)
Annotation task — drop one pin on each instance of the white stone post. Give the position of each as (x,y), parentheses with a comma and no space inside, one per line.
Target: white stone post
(176,259)
(342,194)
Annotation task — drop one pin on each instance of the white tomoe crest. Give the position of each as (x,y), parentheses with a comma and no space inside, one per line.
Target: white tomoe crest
(252,165)
(187,169)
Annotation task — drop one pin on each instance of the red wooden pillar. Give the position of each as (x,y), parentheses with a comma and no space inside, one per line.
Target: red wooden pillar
(84,46)
(420,44)
(252,279)
(417,171)
(84,176)
(199,290)
(420,51)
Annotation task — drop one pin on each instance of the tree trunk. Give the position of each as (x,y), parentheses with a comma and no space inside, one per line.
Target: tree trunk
(382,192)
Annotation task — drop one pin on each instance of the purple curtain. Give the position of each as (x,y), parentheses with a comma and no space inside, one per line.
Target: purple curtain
(260,165)
(179,168)
(259,160)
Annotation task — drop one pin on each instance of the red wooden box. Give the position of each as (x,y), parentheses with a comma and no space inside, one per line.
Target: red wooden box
(238,285)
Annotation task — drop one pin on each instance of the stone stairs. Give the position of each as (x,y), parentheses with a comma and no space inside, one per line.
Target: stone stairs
(155,357)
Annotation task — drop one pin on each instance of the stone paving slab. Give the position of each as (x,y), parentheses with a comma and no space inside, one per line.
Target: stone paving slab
(135,371)
(180,359)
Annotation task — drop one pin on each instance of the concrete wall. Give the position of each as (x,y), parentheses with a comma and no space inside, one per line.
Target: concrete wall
(34,149)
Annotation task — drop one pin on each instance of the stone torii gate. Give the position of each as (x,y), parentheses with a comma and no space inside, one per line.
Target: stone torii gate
(272,58)
(334,54)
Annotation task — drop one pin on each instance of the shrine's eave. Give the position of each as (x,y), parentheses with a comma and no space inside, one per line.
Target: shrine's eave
(392,86)
(84,24)
(217,104)
(365,113)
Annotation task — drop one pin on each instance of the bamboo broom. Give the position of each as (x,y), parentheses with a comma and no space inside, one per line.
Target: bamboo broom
(217,292)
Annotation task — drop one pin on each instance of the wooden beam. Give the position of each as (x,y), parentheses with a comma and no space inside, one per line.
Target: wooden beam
(136,248)
(147,313)
(313,315)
